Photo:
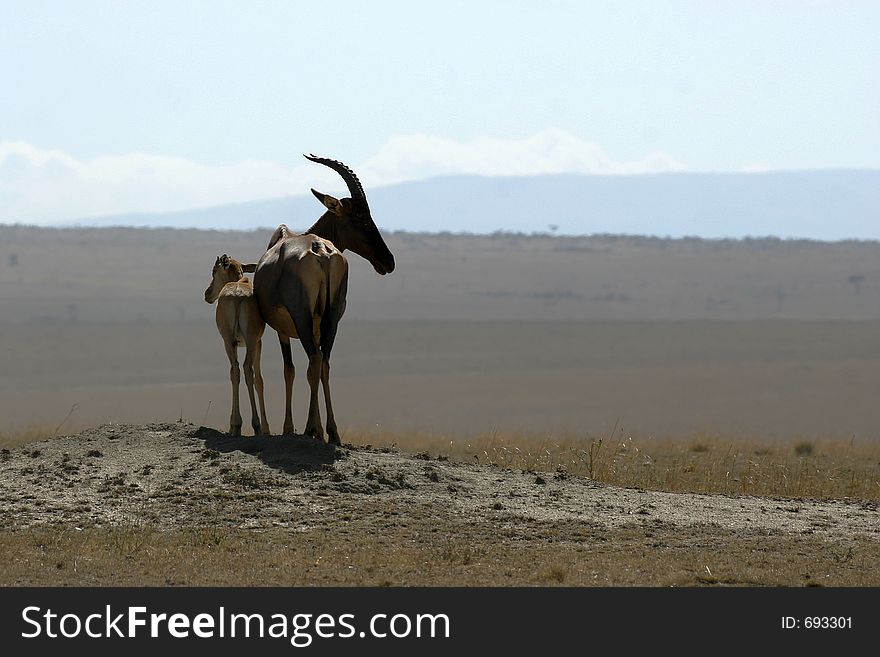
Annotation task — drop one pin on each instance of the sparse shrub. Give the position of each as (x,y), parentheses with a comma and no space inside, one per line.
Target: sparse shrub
(804,448)
(254,479)
(113,483)
(457,553)
(210,536)
(699,448)
(555,573)
(129,540)
(841,554)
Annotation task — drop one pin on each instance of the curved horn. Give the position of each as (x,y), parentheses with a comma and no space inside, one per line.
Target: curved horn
(351,180)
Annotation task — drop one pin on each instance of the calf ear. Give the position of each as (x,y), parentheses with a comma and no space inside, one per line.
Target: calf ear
(249,269)
(329,202)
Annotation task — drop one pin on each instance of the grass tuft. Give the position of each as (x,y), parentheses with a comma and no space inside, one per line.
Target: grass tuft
(804,448)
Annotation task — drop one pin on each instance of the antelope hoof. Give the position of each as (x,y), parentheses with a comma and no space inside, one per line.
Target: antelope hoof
(288,429)
(315,432)
(235,431)
(333,437)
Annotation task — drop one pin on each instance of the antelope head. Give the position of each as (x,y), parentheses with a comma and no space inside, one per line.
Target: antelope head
(349,222)
(226,270)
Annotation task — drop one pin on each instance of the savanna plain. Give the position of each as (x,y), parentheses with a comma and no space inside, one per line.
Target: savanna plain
(514,409)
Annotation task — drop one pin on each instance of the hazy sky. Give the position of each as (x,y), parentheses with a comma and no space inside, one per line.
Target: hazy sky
(112,107)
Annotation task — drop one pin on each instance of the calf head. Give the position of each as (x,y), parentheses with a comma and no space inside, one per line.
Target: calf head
(226,270)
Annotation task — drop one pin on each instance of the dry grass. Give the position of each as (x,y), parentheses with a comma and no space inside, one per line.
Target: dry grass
(34,432)
(29,434)
(702,463)
(432,550)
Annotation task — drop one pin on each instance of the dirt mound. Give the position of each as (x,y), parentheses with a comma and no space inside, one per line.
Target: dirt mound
(179,475)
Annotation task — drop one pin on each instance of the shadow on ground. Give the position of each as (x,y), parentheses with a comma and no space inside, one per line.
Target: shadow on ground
(290,454)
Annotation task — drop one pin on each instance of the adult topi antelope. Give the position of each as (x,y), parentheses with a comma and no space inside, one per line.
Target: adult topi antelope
(240,324)
(301,283)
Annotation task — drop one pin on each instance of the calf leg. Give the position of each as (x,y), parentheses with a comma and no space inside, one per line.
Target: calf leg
(235,378)
(249,382)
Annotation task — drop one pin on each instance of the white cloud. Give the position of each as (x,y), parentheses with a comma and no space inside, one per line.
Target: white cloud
(755,167)
(43,186)
(550,151)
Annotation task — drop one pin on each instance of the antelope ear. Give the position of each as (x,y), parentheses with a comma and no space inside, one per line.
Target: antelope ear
(328,201)
(224,261)
(249,269)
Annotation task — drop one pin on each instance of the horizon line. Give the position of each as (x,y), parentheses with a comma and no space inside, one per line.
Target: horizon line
(465,233)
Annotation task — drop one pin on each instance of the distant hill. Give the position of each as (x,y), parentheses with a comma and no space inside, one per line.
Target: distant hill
(820,205)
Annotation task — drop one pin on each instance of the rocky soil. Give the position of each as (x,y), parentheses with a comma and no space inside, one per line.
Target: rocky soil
(180,504)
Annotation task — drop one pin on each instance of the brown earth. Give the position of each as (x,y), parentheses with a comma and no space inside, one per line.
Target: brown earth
(180,504)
